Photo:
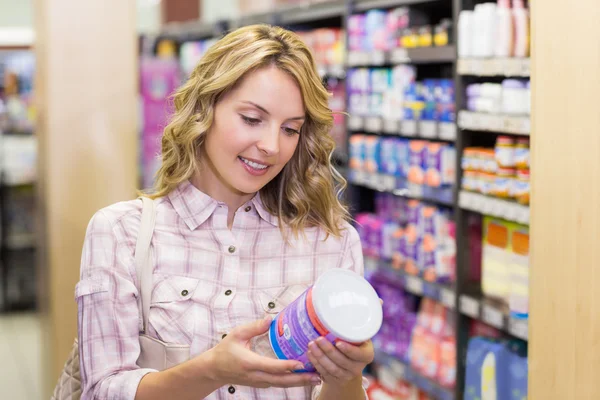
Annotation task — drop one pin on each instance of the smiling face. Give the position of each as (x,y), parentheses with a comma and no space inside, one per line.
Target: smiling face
(254,134)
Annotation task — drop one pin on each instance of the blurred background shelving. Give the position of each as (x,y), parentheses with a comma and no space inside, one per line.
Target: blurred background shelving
(432,129)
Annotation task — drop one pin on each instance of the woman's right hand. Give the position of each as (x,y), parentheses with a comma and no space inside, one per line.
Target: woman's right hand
(233,362)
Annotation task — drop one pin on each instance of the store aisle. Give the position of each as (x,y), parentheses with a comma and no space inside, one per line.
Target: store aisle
(20,367)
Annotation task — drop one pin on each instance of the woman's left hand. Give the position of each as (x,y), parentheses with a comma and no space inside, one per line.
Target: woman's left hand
(341,363)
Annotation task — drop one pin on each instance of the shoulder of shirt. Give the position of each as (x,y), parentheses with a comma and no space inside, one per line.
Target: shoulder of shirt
(130,210)
(349,233)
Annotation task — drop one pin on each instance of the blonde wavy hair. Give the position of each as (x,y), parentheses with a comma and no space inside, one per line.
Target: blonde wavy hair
(306,192)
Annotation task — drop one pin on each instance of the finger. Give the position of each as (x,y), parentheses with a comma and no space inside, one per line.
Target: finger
(272,366)
(288,380)
(252,329)
(330,367)
(317,365)
(339,358)
(361,353)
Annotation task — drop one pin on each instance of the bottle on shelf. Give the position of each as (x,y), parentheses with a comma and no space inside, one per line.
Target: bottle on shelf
(465,27)
(521,21)
(504,30)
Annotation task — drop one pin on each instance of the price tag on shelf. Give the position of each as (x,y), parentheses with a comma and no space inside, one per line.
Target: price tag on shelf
(337,70)
(523,215)
(399,56)
(465,119)
(377,57)
(408,128)
(379,182)
(360,177)
(353,58)
(518,328)
(469,306)
(390,126)
(511,211)
(447,131)
(388,182)
(355,123)
(492,316)
(373,124)
(428,129)
(414,190)
(447,298)
(526,67)
(512,67)
(414,285)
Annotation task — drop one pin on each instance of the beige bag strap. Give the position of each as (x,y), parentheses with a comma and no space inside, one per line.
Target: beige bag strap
(143,257)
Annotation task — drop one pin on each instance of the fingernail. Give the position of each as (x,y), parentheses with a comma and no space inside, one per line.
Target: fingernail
(339,345)
(315,380)
(299,367)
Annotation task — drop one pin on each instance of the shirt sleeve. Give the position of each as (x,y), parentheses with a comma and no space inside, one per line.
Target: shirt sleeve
(108,315)
(352,256)
(352,259)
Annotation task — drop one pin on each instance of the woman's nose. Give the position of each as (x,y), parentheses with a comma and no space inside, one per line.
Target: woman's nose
(269,142)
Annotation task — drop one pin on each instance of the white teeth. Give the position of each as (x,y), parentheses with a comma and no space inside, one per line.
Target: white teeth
(253,164)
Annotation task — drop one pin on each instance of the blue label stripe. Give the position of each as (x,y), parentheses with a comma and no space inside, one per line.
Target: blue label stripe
(273,340)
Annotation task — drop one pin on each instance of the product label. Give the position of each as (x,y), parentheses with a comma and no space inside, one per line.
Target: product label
(292,330)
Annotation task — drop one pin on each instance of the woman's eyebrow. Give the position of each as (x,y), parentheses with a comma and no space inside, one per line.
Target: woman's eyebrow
(268,113)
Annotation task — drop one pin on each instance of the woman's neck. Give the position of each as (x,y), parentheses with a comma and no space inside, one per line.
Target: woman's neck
(207,180)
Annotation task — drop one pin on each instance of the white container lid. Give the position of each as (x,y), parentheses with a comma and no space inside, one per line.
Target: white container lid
(347,305)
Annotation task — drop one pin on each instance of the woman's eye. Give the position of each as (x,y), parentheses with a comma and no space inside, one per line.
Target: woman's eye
(250,121)
(291,132)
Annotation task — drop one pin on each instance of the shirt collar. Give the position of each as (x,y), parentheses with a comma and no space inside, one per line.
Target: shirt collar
(262,211)
(195,206)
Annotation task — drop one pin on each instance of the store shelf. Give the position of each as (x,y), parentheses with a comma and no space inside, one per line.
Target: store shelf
(509,67)
(192,29)
(495,207)
(420,55)
(19,242)
(507,124)
(401,187)
(364,5)
(423,129)
(310,12)
(403,370)
(269,18)
(332,71)
(414,284)
(494,315)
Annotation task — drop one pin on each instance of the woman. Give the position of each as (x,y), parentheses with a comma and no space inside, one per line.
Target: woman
(247,217)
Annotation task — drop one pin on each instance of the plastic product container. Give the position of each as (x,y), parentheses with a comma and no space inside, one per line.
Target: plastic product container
(515,98)
(341,305)
(466,21)
(505,152)
(521,187)
(522,154)
(503,184)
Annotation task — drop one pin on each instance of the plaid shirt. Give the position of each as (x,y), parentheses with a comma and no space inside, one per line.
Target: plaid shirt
(207,280)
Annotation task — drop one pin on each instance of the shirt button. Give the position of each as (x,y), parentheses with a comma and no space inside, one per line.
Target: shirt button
(224,336)
(248,208)
(232,249)
(271,305)
(228,292)
(231,389)
(184,293)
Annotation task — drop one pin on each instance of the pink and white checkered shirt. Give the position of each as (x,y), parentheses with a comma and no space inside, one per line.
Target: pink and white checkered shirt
(207,280)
